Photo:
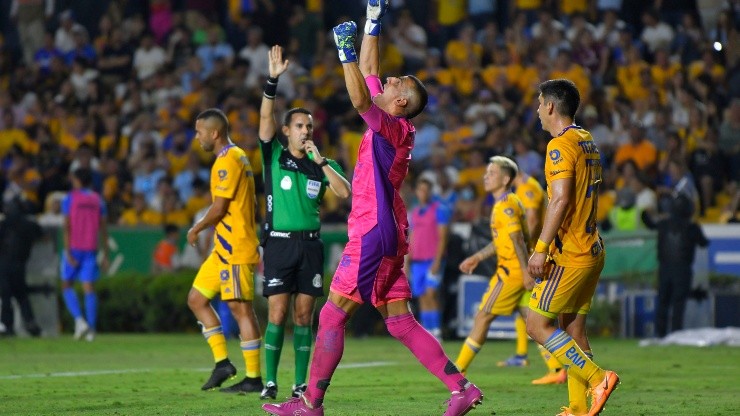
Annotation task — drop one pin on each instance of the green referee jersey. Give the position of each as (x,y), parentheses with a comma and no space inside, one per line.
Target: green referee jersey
(293,188)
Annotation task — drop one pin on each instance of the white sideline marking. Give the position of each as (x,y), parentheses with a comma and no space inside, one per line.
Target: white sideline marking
(149,370)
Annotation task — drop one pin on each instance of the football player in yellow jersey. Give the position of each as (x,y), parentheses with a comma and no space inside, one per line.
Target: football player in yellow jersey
(534,200)
(569,254)
(229,270)
(510,236)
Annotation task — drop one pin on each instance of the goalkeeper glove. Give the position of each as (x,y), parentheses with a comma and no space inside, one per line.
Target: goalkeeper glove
(344,38)
(375,11)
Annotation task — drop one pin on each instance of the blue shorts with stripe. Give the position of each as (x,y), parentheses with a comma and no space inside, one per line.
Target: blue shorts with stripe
(218,276)
(85,268)
(566,290)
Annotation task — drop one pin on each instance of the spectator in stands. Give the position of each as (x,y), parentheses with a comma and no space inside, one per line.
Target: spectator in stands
(148,57)
(64,37)
(656,34)
(140,214)
(638,149)
(214,49)
(165,257)
(411,41)
(256,53)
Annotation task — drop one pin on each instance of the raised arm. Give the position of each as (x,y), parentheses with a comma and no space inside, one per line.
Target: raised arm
(268,123)
(344,37)
(369,56)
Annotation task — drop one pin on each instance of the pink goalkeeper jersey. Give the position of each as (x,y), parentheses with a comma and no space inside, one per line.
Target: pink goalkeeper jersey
(382,164)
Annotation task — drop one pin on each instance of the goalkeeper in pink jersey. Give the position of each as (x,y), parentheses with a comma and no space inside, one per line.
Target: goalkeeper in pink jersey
(371,268)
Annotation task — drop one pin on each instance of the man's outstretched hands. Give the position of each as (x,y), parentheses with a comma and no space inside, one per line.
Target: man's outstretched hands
(376,9)
(276,64)
(344,37)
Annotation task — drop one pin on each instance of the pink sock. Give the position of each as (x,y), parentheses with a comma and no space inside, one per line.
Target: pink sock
(426,349)
(327,353)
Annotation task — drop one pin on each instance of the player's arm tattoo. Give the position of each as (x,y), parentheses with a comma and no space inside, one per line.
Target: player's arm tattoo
(488,251)
(520,247)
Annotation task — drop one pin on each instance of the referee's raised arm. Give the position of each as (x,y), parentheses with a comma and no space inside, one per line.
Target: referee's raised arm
(268,124)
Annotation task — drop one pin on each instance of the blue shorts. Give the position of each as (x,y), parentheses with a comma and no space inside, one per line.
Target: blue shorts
(420,278)
(86,269)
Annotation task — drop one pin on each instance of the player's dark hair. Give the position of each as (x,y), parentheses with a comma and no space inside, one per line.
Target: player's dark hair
(420,92)
(564,95)
(171,228)
(288,117)
(85,176)
(215,113)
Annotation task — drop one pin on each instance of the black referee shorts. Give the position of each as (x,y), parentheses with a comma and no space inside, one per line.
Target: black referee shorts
(293,266)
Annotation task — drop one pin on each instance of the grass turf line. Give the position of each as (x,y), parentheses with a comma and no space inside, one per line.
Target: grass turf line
(162,374)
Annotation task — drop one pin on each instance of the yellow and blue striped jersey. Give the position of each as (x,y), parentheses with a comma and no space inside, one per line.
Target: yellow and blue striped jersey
(235,239)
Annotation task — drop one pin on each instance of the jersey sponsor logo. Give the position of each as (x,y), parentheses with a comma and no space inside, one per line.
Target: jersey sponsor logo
(529,194)
(346,260)
(274,282)
(317,281)
(222,173)
(576,358)
(554,154)
(555,172)
(313,188)
(279,234)
(286,183)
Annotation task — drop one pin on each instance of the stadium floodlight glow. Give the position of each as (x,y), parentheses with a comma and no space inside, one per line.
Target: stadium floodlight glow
(717,46)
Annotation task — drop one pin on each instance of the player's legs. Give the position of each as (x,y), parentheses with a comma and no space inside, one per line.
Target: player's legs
(519,359)
(425,289)
(329,345)
(88,275)
(275,335)
(569,291)
(303,308)
(69,272)
(575,326)
(310,285)
(205,287)
(475,340)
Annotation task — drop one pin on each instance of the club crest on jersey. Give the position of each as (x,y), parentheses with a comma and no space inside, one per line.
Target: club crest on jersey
(313,188)
(224,275)
(555,156)
(222,174)
(509,212)
(286,183)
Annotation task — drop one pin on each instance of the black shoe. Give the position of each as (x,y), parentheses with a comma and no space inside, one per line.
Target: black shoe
(299,389)
(269,392)
(221,373)
(33,329)
(248,385)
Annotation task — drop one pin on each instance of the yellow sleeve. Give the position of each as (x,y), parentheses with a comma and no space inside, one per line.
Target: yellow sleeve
(528,197)
(560,160)
(227,177)
(511,216)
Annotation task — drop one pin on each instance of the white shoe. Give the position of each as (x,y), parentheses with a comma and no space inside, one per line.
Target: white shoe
(81,328)
(90,336)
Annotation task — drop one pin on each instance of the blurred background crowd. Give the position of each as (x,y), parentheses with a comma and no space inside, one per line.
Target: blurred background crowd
(115,85)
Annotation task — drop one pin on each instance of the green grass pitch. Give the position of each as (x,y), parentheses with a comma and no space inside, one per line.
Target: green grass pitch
(162,374)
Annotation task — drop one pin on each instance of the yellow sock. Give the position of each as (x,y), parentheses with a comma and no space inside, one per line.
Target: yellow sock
(251,353)
(551,362)
(522,339)
(468,351)
(564,348)
(216,340)
(577,388)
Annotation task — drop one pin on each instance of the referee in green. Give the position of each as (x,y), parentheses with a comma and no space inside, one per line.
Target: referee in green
(296,177)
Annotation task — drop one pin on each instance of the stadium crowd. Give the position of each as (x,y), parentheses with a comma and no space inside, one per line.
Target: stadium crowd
(117,91)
